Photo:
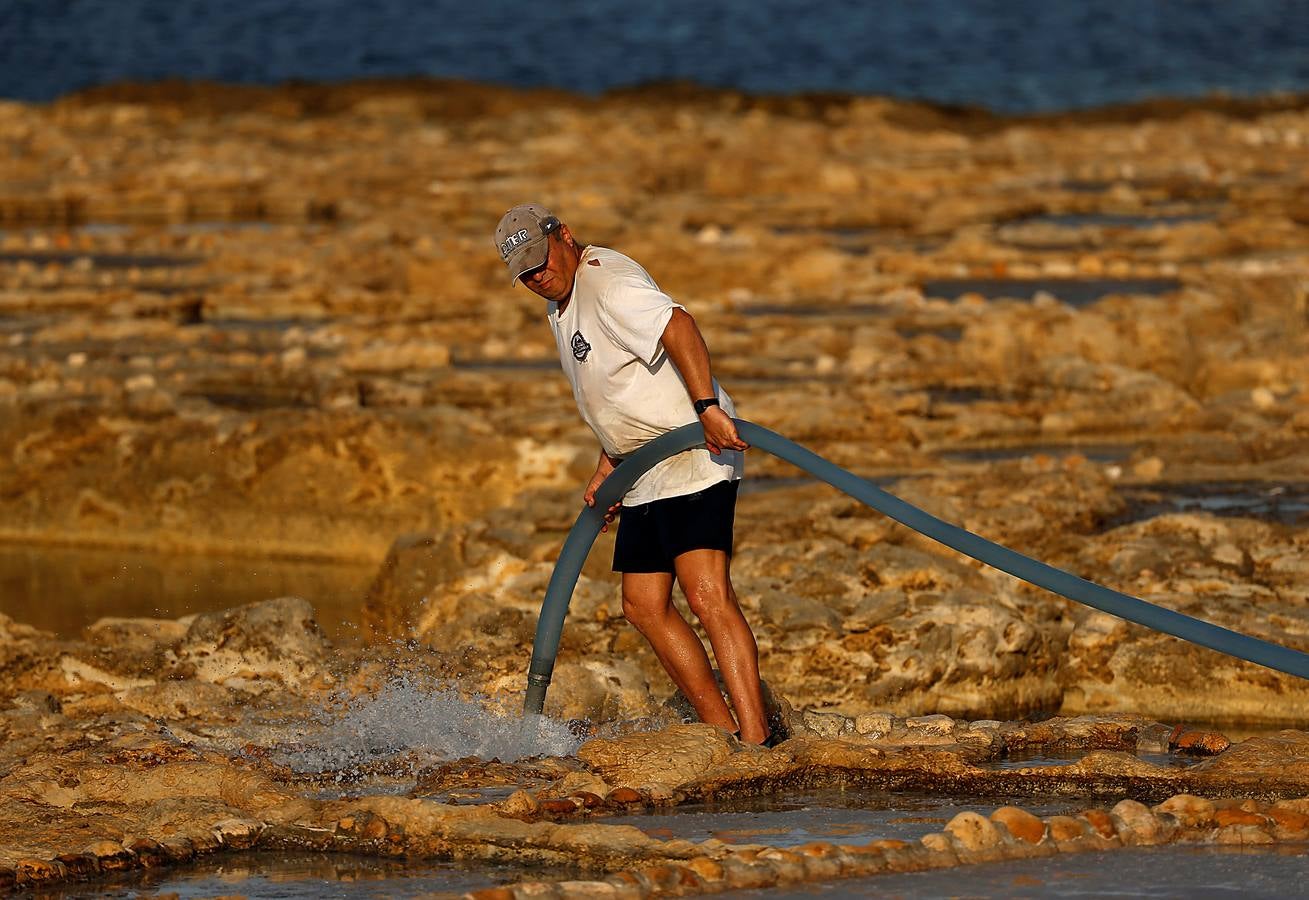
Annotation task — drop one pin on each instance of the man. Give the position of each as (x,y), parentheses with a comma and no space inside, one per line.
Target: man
(639,368)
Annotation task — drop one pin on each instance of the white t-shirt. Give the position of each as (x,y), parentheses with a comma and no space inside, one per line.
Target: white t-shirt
(626,387)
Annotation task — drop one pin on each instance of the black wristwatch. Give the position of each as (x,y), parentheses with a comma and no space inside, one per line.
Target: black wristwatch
(702,405)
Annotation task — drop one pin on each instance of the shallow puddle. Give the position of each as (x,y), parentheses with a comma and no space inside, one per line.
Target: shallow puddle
(308,876)
(1099,453)
(851,816)
(817,310)
(858,241)
(1284,503)
(1072,291)
(1182,871)
(764,484)
(251,401)
(63,589)
(950,333)
(1046,759)
(966,394)
(1115,220)
(97,260)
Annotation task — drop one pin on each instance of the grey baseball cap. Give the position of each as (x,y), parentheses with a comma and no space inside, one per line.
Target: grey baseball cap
(523,237)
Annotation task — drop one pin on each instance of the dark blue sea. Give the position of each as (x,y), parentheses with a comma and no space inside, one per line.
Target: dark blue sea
(1007,55)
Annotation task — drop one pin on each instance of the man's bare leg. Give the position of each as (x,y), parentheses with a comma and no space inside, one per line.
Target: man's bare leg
(705,576)
(648,605)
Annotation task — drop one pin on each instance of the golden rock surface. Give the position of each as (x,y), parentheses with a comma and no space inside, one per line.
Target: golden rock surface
(268,324)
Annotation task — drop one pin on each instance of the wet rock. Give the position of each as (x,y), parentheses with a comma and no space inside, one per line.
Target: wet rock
(574,785)
(140,635)
(42,702)
(672,756)
(180,700)
(146,852)
(1242,834)
(972,831)
(293,412)
(599,691)
(1200,743)
(1136,825)
(874,725)
(79,866)
(1173,561)
(938,725)
(1020,823)
(1102,822)
(1288,824)
(1188,809)
(110,855)
(1065,831)
(276,640)
(623,795)
(826,725)
(1154,738)
(1275,762)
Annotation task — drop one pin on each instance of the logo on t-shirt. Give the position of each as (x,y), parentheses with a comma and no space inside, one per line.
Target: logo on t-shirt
(580,347)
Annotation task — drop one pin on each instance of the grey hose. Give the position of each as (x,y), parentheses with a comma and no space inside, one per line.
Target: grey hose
(584,532)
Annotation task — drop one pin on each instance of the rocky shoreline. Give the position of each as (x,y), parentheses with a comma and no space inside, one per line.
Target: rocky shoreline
(208,746)
(269,324)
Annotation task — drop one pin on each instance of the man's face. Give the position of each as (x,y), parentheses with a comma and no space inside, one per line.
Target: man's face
(554,280)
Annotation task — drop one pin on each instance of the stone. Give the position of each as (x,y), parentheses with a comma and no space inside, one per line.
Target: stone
(827,725)
(936,725)
(973,832)
(560,806)
(623,796)
(1225,817)
(709,870)
(874,724)
(937,842)
(1065,829)
(79,865)
(111,855)
(1242,834)
(275,640)
(1268,759)
(1136,825)
(177,848)
(519,803)
(1020,823)
(1102,822)
(39,871)
(1289,824)
(37,701)
(1188,809)
(1201,743)
(332,392)
(674,755)
(147,852)
(742,874)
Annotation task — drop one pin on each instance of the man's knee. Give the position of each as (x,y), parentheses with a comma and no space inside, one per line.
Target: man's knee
(642,608)
(710,600)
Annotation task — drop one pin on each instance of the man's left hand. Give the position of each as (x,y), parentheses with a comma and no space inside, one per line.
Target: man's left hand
(720,431)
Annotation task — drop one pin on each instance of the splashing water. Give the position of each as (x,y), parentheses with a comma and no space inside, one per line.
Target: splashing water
(407,717)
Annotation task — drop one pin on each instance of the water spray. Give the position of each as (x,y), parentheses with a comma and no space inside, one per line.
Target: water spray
(563,580)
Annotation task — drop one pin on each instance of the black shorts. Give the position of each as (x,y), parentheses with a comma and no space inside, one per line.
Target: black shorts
(651,535)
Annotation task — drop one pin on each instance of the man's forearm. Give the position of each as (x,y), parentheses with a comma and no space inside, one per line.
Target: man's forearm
(685,346)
